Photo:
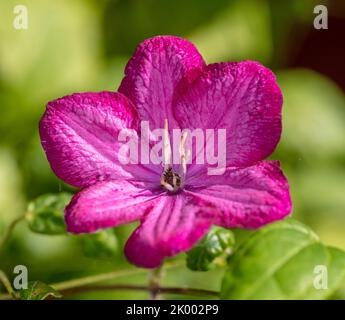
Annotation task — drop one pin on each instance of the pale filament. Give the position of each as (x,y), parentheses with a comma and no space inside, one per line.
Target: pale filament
(166,146)
(183,155)
(171,180)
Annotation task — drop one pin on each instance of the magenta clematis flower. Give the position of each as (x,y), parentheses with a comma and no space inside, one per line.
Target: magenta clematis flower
(167,81)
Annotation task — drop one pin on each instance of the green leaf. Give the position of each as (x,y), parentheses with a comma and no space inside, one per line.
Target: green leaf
(46,213)
(38,290)
(100,245)
(211,251)
(279,261)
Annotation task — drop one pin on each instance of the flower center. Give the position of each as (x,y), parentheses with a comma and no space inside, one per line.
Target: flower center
(171,180)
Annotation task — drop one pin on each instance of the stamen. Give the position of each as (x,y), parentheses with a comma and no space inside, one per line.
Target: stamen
(166,146)
(183,159)
(170,180)
(166,185)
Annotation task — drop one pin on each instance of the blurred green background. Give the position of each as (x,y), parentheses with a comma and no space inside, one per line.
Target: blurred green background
(83,45)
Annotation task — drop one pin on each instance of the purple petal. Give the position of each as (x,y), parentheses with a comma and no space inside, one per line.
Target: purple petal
(242,98)
(109,204)
(153,73)
(245,197)
(79,135)
(174,225)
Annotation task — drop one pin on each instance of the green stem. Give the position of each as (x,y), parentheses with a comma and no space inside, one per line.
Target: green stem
(84,281)
(104,276)
(154,282)
(10,229)
(76,283)
(7,284)
(162,290)
(84,284)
